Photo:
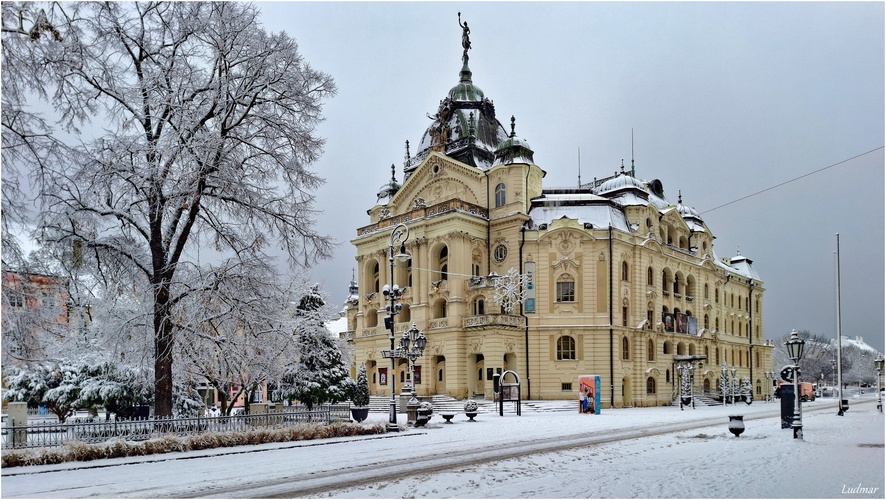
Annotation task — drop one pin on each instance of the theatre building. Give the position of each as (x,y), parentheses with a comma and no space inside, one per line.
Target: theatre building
(618,280)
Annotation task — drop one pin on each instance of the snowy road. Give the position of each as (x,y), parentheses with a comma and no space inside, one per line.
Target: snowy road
(511,457)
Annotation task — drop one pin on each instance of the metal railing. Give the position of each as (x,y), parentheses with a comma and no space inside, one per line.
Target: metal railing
(52,434)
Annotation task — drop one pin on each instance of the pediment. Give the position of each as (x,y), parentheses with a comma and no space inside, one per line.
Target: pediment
(438,179)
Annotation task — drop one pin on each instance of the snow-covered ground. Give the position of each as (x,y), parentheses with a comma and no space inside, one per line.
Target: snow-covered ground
(622,453)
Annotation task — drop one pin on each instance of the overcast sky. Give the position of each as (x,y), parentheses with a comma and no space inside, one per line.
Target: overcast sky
(724,99)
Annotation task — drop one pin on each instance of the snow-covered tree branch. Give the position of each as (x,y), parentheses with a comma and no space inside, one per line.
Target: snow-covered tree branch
(197,132)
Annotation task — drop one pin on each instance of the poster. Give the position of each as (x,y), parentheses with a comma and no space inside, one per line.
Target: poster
(668,320)
(417,375)
(383,376)
(589,394)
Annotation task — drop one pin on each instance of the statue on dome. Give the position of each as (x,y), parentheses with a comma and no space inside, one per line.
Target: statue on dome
(465,38)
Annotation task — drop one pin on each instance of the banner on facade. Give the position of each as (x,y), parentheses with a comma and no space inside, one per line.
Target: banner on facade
(529,297)
(680,323)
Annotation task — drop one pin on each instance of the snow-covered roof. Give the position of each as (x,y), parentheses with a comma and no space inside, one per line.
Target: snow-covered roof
(337,326)
(600,216)
(857,342)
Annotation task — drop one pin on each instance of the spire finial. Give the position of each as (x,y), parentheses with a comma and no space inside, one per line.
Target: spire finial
(622,165)
(393,173)
(407,150)
(633,172)
(679,197)
(513,123)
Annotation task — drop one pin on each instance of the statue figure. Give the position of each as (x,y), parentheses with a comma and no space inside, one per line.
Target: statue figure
(465,37)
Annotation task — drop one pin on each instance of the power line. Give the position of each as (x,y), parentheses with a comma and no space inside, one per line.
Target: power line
(794,179)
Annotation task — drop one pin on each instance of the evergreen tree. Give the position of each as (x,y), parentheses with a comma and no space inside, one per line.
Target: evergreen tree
(321,374)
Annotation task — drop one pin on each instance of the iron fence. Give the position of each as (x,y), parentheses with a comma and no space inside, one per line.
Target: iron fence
(52,434)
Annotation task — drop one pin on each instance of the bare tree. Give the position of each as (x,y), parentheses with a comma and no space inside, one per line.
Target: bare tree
(207,136)
(30,41)
(240,331)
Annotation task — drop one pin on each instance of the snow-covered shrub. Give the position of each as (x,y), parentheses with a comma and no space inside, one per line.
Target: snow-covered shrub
(471,406)
(360,395)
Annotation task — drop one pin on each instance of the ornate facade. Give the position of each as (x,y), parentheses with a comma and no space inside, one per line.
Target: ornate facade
(620,282)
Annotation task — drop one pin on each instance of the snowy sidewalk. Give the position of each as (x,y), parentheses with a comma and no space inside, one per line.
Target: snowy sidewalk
(840,457)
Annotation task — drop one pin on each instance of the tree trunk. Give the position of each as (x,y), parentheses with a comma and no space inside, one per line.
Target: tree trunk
(163,344)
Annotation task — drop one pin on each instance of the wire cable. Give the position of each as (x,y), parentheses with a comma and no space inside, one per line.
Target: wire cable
(792,180)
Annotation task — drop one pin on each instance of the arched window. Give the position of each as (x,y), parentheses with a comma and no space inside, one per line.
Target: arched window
(440,309)
(625,349)
(375,282)
(625,274)
(565,348)
(649,276)
(650,350)
(444,262)
(479,305)
(500,195)
(706,290)
(707,324)
(371,318)
(565,288)
(650,385)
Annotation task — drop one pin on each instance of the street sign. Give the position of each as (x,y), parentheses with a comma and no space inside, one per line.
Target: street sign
(787,373)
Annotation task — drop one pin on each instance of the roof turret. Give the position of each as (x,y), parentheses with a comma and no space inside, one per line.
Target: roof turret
(390,188)
(513,149)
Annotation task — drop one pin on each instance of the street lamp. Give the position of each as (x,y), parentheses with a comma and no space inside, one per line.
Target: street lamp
(795,352)
(414,339)
(393,293)
(878,363)
(769,376)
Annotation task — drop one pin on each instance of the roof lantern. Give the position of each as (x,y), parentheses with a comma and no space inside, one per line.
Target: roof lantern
(464,127)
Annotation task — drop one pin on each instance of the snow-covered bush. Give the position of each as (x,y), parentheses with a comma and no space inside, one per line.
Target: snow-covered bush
(471,406)
(57,386)
(360,395)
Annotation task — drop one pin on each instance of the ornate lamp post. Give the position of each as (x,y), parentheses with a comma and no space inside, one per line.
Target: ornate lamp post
(878,364)
(795,352)
(412,346)
(393,293)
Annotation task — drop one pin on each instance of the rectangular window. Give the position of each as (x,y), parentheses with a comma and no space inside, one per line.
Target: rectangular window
(15,298)
(566,386)
(565,291)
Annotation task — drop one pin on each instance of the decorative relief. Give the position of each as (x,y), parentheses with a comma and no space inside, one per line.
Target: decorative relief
(419,203)
(384,214)
(565,263)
